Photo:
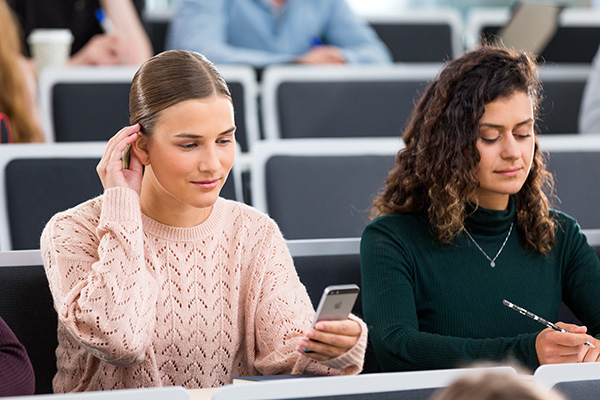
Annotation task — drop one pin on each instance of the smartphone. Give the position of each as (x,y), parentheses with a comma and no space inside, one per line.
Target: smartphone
(336,303)
(126,157)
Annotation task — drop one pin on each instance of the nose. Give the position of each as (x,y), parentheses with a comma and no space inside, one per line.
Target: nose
(209,160)
(510,148)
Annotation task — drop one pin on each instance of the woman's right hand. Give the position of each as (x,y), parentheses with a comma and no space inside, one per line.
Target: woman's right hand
(110,166)
(554,347)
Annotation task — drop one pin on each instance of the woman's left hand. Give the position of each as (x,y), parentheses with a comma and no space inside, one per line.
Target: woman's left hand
(330,339)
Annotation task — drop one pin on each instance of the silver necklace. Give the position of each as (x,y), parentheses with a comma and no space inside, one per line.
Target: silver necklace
(492,260)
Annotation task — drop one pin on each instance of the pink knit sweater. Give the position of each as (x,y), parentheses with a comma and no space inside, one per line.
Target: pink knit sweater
(144,304)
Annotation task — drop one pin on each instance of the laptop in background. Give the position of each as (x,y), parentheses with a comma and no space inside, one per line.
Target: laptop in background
(531,26)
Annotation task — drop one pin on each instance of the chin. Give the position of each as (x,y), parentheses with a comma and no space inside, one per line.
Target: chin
(205,202)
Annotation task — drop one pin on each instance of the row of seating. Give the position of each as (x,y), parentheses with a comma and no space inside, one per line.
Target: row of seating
(436,34)
(91,103)
(319,263)
(313,188)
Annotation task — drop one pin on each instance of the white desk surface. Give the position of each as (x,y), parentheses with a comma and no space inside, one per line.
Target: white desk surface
(201,394)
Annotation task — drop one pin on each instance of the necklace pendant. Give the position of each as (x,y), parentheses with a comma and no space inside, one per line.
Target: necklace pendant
(492,264)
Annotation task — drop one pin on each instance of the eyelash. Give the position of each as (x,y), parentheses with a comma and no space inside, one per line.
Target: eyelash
(498,138)
(190,146)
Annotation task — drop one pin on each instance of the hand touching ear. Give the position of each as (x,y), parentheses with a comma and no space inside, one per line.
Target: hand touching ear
(110,166)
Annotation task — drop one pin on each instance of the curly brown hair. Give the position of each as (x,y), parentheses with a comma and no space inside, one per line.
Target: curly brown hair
(435,171)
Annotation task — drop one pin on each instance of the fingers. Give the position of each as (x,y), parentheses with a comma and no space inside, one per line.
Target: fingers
(554,347)
(572,327)
(330,339)
(110,166)
(101,50)
(592,353)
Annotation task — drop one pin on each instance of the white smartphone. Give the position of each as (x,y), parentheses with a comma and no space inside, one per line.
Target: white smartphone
(336,303)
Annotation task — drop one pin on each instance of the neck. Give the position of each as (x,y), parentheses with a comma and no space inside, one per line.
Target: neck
(492,202)
(162,207)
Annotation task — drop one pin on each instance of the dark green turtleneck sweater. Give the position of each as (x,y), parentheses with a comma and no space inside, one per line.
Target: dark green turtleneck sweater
(431,305)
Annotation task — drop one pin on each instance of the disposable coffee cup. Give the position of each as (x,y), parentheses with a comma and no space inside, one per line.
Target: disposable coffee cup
(50,47)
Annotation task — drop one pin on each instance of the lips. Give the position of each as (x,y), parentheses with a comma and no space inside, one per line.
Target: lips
(207,185)
(509,171)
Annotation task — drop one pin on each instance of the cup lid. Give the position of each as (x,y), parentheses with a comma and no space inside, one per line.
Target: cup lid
(50,35)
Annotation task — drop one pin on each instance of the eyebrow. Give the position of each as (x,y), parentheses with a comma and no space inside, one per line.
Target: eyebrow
(528,120)
(194,136)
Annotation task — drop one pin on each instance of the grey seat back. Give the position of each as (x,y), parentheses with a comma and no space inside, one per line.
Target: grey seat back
(328,102)
(320,188)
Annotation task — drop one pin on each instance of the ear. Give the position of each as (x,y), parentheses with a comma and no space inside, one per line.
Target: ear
(140,149)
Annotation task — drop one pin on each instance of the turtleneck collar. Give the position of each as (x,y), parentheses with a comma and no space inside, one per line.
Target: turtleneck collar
(489,222)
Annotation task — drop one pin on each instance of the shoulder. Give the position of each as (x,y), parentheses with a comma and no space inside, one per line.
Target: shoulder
(240,216)
(79,221)
(86,213)
(565,224)
(398,230)
(569,235)
(400,224)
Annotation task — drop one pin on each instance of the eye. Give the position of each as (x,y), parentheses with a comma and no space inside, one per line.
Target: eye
(522,132)
(489,134)
(488,140)
(187,146)
(225,139)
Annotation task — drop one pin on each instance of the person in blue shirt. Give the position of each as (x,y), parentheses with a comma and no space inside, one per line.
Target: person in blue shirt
(264,32)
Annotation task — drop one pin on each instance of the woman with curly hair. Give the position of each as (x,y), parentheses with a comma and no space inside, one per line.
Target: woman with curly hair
(18,100)
(464,222)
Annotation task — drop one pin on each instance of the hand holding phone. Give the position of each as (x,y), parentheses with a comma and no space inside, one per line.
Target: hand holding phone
(119,167)
(336,303)
(126,157)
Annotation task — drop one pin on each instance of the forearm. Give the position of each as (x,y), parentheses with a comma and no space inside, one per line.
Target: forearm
(358,41)
(284,314)
(107,301)
(128,25)
(408,350)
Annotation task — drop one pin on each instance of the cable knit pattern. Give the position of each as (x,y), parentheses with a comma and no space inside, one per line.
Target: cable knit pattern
(144,304)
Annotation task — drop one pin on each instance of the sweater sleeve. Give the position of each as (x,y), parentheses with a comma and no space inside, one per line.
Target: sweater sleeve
(284,313)
(357,39)
(389,307)
(16,372)
(581,275)
(103,292)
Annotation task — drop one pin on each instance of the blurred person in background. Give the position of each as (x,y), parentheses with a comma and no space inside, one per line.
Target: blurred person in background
(119,40)
(495,385)
(18,98)
(589,114)
(264,32)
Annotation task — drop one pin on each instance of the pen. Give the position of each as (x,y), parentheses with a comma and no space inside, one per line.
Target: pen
(538,319)
(315,41)
(104,21)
